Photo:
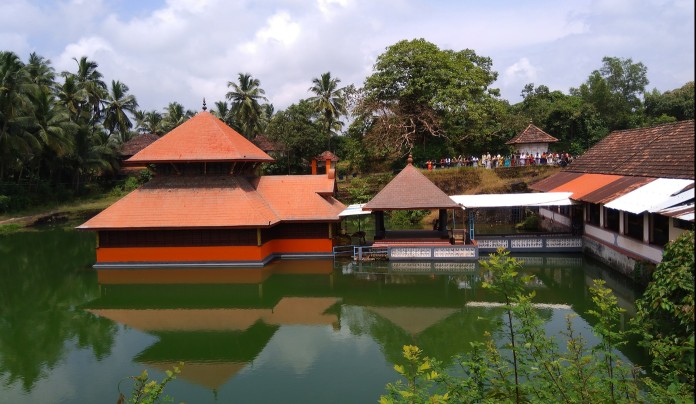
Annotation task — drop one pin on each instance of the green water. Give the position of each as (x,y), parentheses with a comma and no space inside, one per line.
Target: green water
(295,332)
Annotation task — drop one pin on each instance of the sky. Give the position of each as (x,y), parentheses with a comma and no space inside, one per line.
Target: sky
(188,50)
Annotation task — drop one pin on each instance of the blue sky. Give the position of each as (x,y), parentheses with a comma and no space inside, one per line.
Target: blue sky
(185,50)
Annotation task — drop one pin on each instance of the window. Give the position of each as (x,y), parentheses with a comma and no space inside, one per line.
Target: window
(633,225)
(593,212)
(611,219)
(659,230)
(564,210)
(683,224)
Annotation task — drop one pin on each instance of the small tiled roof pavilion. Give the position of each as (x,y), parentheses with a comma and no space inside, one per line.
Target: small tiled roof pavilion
(205,206)
(531,140)
(410,190)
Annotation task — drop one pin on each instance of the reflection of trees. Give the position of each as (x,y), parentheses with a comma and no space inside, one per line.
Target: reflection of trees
(41,287)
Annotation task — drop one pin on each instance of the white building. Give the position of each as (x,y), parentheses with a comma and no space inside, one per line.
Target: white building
(636,189)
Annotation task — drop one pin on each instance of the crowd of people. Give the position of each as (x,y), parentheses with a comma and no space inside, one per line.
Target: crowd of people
(492,161)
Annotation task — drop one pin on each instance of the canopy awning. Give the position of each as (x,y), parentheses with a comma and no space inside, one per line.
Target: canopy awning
(514,200)
(653,196)
(354,210)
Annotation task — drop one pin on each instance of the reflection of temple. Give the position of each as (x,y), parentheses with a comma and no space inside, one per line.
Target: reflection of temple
(207,206)
(218,324)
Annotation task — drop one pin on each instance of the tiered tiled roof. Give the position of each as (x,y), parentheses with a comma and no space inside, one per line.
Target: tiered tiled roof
(532,134)
(137,143)
(327,155)
(664,151)
(410,189)
(221,201)
(203,138)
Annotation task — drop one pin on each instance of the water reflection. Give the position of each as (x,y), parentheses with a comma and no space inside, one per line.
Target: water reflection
(39,294)
(297,325)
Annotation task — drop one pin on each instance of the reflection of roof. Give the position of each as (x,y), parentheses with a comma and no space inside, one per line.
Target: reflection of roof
(505,200)
(665,151)
(221,201)
(211,375)
(288,311)
(532,134)
(137,143)
(410,189)
(413,320)
(201,138)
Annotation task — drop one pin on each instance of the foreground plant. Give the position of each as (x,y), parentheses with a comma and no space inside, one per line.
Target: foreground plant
(531,366)
(147,391)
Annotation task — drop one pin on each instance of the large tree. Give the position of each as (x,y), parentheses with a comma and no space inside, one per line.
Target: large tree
(246,97)
(615,91)
(418,92)
(675,105)
(302,137)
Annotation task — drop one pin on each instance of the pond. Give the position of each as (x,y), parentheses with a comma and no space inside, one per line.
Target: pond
(296,331)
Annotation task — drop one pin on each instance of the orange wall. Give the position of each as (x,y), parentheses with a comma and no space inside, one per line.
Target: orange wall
(209,254)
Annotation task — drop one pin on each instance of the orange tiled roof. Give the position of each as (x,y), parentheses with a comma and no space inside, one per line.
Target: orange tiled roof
(300,197)
(220,202)
(202,138)
(410,189)
(532,134)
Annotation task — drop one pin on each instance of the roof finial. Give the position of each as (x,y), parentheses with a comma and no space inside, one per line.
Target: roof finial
(204,107)
(410,159)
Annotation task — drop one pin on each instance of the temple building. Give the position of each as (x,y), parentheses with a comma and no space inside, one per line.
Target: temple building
(531,140)
(207,206)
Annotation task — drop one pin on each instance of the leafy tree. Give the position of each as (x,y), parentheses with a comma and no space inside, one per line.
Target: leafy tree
(297,129)
(675,105)
(615,91)
(419,92)
(665,317)
(246,108)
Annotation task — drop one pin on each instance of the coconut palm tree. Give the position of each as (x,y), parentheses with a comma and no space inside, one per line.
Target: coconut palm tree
(40,70)
(175,115)
(329,100)
(90,80)
(15,112)
(73,97)
(246,108)
(118,104)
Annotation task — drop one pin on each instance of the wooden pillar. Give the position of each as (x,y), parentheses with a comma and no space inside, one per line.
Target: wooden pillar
(442,225)
(314,166)
(379,223)
(258,236)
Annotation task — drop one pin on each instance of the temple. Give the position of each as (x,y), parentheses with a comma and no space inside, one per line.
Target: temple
(207,206)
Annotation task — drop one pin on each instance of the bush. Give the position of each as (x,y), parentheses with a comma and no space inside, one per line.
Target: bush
(531,366)
(4,203)
(407,218)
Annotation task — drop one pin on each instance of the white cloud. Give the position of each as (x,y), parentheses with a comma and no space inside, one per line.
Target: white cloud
(521,71)
(184,50)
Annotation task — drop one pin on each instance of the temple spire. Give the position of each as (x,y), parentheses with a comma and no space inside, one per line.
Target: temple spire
(204,107)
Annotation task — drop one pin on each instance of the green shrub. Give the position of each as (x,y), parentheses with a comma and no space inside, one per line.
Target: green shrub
(407,218)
